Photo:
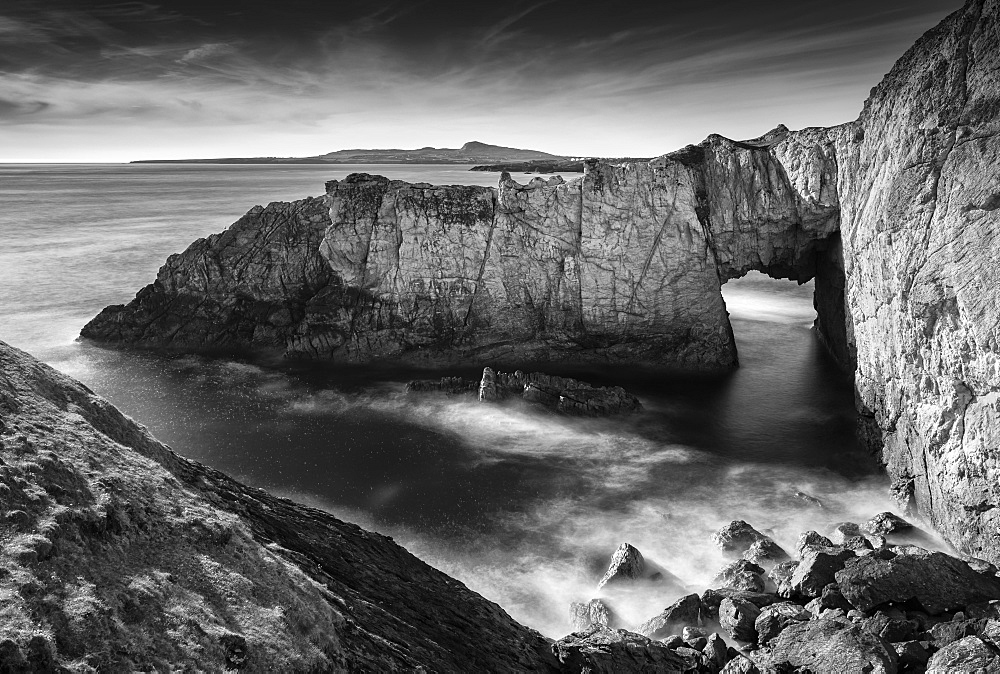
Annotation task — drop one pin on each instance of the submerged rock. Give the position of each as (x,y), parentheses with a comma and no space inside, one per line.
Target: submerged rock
(562,394)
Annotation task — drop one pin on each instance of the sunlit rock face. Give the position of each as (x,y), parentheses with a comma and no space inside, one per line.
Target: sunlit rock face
(919,186)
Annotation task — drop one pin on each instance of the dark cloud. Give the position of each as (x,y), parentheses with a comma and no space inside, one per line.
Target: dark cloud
(573,65)
(10,108)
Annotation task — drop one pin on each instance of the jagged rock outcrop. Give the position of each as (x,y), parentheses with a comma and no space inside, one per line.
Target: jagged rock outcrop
(920,226)
(119,555)
(896,215)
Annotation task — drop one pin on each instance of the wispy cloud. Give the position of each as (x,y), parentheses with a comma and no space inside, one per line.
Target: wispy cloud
(408,75)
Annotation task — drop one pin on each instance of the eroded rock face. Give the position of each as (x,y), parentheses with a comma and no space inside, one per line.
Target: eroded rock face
(918,187)
(109,536)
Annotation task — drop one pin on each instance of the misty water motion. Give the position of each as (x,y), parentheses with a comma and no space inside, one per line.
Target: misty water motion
(523,506)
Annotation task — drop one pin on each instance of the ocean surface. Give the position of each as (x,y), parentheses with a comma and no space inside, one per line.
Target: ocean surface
(523,506)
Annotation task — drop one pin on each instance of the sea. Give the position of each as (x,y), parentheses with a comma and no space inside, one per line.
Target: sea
(524,506)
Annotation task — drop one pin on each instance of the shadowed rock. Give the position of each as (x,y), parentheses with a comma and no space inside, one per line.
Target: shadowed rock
(935,581)
(608,651)
(738,618)
(686,611)
(832,647)
(776,617)
(565,395)
(971,655)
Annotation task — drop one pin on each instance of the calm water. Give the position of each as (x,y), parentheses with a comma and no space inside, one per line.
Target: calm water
(524,507)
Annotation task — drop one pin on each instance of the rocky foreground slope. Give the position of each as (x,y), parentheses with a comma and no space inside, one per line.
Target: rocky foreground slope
(118,555)
(896,215)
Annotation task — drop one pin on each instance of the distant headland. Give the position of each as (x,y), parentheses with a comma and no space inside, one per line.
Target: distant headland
(472,152)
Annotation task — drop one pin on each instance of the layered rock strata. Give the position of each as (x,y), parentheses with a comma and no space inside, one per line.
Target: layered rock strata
(896,215)
(118,555)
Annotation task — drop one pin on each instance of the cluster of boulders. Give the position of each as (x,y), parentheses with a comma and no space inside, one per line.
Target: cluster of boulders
(562,394)
(854,600)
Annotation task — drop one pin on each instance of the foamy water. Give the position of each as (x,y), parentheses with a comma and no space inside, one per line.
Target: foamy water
(523,506)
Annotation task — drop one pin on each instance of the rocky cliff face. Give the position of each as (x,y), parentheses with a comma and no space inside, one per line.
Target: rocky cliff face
(116,554)
(895,215)
(919,187)
(624,264)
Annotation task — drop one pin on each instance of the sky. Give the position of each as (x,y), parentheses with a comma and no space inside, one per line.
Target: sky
(106,81)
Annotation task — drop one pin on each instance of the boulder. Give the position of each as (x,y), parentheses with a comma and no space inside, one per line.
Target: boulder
(781,576)
(765,553)
(815,571)
(716,651)
(738,618)
(776,617)
(740,664)
(712,599)
(737,537)
(626,565)
(832,646)
(971,655)
(843,532)
(741,575)
(593,612)
(811,539)
(934,580)
(832,597)
(884,524)
(601,650)
(951,631)
(682,613)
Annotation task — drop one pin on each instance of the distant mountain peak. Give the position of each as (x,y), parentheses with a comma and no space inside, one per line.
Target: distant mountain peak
(475,145)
